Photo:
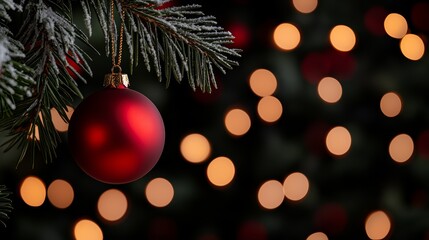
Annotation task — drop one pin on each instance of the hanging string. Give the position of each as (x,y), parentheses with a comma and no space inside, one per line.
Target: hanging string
(116,64)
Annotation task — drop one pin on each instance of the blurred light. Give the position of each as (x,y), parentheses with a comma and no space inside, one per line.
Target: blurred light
(60,193)
(161,228)
(59,124)
(159,192)
(331,218)
(220,171)
(263,82)
(401,148)
(374,20)
(241,34)
(420,16)
(305,6)
(338,140)
(270,109)
(252,230)
(412,46)
(87,230)
(391,104)
(295,186)
(395,25)
(112,205)
(237,122)
(423,143)
(195,148)
(317,236)
(329,90)
(342,38)
(286,36)
(33,191)
(377,225)
(270,194)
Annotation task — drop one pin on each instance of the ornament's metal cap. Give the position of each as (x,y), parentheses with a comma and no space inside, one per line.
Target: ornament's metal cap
(116,80)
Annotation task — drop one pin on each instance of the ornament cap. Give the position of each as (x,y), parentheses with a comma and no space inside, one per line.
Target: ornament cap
(116,80)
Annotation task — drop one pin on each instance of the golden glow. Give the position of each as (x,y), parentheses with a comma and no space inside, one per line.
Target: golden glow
(286,36)
(33,191)
(391,104)
(338,140)
(305,6)
(342,38)
(87,230)
(237,122)
(195,148)
(59,124)
(295,186)
(317,236)
(395,25)
(401,148)
(60,193)
(263,82)
(112,205)
(377,225)
(330,90)
(221,171)
(270,194)
(270,109)
(159,192)
(412,47)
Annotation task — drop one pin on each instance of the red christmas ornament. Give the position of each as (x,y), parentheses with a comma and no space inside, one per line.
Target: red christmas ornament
(116,135)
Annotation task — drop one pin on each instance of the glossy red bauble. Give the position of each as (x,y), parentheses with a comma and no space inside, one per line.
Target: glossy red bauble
(116,135)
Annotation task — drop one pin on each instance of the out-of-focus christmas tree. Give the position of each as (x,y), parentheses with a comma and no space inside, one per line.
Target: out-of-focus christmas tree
(321,133)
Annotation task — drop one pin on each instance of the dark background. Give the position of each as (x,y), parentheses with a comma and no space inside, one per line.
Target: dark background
(343,190)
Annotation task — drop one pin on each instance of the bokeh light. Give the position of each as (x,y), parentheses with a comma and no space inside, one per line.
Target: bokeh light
(195,148)
(33,191)
(159,192)
(59,123)
(305,6)
(420,16)
(221,171)
(60,193)
(374,20)
(395,25)
(412,47)
(342,38)
(87,230)
(270,109)
(286,36)
(330,90)
(263,82)
(317,236)
(338,140)
(377,225)
(237,122)
(295,186)
(401,148)
(270,194)
(391,104)
(252,229)
(112,205)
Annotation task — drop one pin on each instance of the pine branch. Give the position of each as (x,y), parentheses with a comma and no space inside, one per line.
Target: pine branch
(5,204)
(189,43)
(50,38)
